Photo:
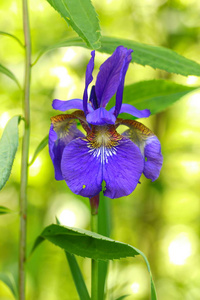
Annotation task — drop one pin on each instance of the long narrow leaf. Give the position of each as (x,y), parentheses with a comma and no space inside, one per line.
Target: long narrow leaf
(12,36)
(81,16)
(156,57)
(8,73)
(156,95)
(77,276)
(39,148)
(10,282)
(89,244)
(8,148)
(4,210)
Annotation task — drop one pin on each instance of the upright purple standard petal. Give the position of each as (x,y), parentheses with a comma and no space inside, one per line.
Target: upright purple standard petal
(122,169)
(120,90)
(153,164)
(62,131)
(110,75)
(81,170)
(88,80)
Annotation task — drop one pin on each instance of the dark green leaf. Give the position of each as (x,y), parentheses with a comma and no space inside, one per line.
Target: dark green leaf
(8,148)
(89,244)
(156,57)
(156,95)
(4,210)
(8,73)
(12,36)
(10,282)
(81,16)
(104,228)
(122,297)
(39,148)
(77,276)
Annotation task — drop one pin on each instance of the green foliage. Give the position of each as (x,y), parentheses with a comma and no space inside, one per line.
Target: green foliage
(12,36)
(39,148)
(90,244)
(8,73)
(156,95)
(4,210)
(156,57)
(81,16)
(8,148)
(77,277)
(10,282)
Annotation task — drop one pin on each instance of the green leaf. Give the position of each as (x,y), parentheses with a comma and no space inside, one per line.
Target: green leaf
(156,57)
(156,95)
(77,276)
(104,228)
(90,244)
(8,148)
(81,16)
(4,210)
(8,73)
(39,148)
(10,282)
(122,297)
(12,36)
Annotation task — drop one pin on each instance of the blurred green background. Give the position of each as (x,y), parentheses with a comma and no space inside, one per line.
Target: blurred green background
(161,218)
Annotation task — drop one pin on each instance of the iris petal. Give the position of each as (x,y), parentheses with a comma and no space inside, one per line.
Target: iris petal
(130,109)
(88,80)
(110,76)
(69,104)
(62,131)
(123,169)
(81,170)
(152,152)
(149,146)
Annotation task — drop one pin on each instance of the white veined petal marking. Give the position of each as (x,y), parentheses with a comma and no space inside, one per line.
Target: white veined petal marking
(103,142)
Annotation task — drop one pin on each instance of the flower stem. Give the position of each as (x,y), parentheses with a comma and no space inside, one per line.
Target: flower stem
(94,286)
(25,152)
(94,203)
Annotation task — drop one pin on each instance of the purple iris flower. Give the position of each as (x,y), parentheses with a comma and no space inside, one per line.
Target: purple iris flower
(102,154)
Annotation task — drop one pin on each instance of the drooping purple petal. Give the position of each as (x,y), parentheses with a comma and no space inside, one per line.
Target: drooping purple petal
(88,80)
(62,131)
(122,169)
(153,164)
(148,144)
(81,170)
(69,104)
(100,116)
(130,109)
(110,75)
(120,90)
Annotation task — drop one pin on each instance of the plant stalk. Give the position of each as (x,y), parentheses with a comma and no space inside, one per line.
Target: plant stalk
(94,269)
(25,152)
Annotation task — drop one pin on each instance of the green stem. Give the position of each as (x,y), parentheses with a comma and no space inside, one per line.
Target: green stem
(25,152)
(94,286)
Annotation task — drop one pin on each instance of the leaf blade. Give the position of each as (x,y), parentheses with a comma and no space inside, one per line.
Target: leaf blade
(4,210)
(9,281)
(8,148)
(8,73)
(156,57)
(39,148)
(81,16)
(156,95)
(89,244)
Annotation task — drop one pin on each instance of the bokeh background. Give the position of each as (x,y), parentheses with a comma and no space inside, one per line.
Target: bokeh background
(161,218)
